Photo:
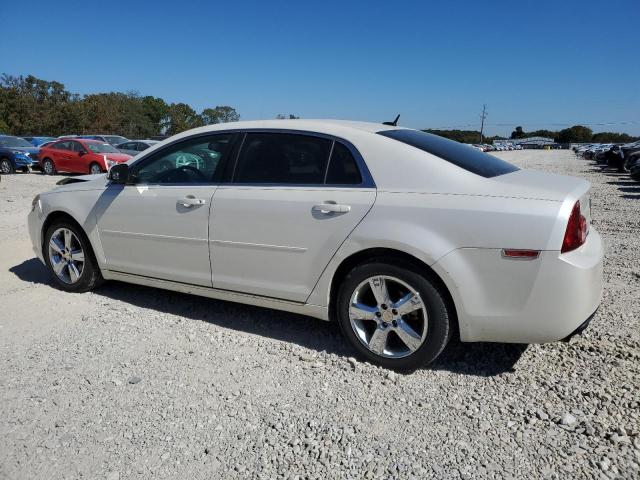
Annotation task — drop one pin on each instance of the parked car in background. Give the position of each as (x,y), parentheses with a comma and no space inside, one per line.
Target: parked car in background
(110,139)
(79,155)
(134,147)
(37,141)
(17,154)
(402,237)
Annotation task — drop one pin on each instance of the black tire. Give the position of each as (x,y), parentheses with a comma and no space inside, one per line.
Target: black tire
(6,166)
(439,316)
(90,277)
(91,167)
(48,167)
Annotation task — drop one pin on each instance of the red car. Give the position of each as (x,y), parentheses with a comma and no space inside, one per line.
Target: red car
(79,155)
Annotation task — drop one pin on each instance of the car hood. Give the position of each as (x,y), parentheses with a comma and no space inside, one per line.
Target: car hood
(26,149)
(118,157)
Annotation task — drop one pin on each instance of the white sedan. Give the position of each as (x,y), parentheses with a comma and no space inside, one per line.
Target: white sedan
(402,237)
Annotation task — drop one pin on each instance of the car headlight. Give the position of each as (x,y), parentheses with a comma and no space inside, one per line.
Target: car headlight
(36,203)
(19,152)
(111,163)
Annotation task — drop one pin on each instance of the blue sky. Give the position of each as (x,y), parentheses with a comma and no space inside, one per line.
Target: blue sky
(543,64)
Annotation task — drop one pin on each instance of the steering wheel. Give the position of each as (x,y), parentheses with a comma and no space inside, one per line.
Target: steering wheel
(189,168)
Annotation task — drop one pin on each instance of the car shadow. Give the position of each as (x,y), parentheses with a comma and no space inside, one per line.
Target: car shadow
(631,197)
(31,271)
(480,359)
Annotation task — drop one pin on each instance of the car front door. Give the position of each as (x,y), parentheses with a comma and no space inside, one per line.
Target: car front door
(62,155)
(78,161)
(158,226)
(292,201)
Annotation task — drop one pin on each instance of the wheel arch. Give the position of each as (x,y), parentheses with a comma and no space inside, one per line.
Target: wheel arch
(369,254)
(61,215)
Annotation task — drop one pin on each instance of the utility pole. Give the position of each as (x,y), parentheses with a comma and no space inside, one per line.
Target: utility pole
(482,117)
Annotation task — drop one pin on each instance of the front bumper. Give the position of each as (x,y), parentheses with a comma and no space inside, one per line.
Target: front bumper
(34,223)
(534,301)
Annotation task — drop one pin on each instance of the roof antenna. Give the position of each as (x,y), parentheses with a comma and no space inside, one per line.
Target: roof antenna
(394,123)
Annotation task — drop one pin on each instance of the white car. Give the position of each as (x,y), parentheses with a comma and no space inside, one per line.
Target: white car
(403,237)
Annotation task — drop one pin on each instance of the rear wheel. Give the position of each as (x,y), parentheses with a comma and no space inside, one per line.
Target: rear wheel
(94,169)
(48,167)
(6,166)
(68,255)
(393,314)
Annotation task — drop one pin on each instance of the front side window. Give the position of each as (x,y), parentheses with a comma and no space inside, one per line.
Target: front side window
(191,161)
(62,146)
(77,147)
(282,158)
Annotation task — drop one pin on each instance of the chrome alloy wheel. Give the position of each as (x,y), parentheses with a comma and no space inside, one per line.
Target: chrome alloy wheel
(95,169)
(5,166)
(48,167)
(388,316)
(66,255)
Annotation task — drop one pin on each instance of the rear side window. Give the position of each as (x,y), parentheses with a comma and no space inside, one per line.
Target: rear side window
(281,158)
(343,169)
(459,154)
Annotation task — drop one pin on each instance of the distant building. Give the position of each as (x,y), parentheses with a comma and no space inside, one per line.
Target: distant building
(529,142)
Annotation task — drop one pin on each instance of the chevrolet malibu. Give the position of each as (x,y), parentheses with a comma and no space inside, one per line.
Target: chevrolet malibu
(404,238)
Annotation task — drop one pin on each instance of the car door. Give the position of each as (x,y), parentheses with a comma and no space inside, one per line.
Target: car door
(78,160)
(292,201)
(158,226)
(62,156)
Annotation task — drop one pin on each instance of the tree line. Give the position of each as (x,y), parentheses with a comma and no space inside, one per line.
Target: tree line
(575,134)
(32,106)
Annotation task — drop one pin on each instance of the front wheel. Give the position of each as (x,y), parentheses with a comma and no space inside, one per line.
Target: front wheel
(6,166)
(95,169)
(393,315)
(48,167)
(69,257)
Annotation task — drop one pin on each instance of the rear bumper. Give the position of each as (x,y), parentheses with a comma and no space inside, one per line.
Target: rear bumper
(526,301)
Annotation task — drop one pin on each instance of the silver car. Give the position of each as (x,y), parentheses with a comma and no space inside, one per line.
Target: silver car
(134,147)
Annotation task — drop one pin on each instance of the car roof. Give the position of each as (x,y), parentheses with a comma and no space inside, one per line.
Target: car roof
(327,126)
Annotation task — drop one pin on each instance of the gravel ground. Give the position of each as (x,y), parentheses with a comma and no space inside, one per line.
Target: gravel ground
(132,382)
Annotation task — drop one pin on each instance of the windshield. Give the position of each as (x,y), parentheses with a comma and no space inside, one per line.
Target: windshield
(459,154)
(101,148)
(14,142)
(115,139)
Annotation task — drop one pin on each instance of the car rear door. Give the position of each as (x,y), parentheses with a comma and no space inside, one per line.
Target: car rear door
(285,213)
(158,226)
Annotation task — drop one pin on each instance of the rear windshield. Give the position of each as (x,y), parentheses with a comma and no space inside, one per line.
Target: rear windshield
(459,154)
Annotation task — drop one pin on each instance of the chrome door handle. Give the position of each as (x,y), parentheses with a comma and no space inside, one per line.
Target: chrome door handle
(331,208)
(189,201)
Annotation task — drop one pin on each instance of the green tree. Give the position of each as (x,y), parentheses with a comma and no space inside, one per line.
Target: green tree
(220,114)
(518,133)
(575,134)
(182,117)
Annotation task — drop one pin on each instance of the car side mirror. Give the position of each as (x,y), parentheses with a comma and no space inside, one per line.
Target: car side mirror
(119,173)
(81,153)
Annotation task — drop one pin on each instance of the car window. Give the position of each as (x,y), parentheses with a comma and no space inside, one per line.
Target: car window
(141,146)
(282,158)
(343,169)
(77,147)
(62,146)
(459,154)
(191,161)
(127,146)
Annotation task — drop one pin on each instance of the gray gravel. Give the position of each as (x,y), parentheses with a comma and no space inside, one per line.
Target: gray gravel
(132,382)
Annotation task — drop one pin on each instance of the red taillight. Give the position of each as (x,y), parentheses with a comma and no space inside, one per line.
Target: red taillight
(577,229)
(522,254)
